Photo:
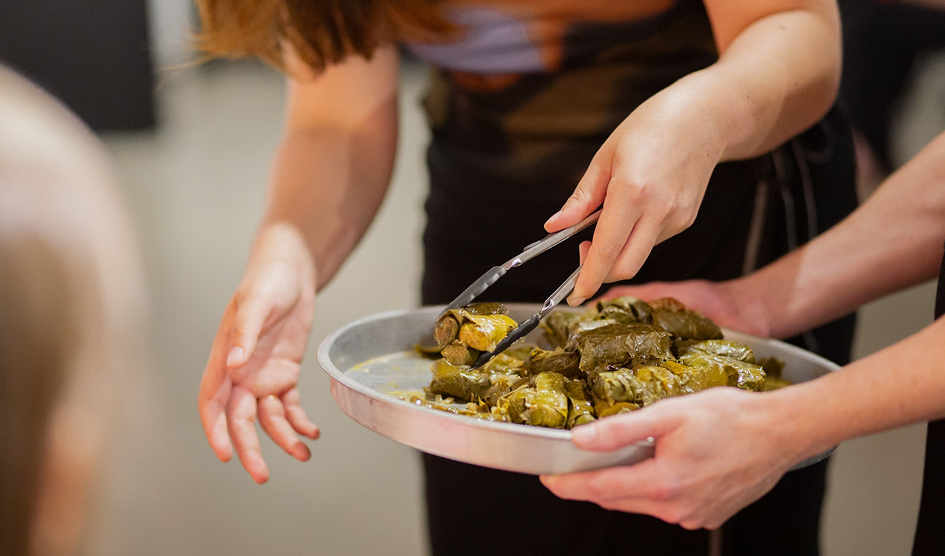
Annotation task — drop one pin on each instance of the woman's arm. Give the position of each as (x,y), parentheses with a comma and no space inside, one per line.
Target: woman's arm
(894,387)
(777,75)
(335,162)
(892,242)
(778,71)
(329,178)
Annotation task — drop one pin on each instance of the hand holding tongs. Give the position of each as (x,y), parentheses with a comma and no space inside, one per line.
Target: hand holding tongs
(496,272)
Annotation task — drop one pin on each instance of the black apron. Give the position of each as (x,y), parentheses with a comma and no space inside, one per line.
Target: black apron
(505,156)
(930,529)
(753,212)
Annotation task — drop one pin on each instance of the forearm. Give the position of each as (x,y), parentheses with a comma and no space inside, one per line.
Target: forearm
(890,243)
(334,164)
(777,75)
(328,184)
(900,385)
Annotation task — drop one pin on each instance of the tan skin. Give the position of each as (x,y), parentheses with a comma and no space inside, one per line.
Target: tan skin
(777,75)
(719,450)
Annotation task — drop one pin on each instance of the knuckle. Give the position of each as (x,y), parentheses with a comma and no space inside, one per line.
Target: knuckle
(243,330)
(609,504)
(628,268)
(609,251)
(711,525)
(607,434)
(639,189)
(260,289)
(669,209)
(667,489)
(672,514)
(578,196)
(598,490)
(681,220)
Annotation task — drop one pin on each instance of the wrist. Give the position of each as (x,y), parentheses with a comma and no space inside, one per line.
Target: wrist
(282,242)
(798,422)
(749,299)
(723,108)
(693,108)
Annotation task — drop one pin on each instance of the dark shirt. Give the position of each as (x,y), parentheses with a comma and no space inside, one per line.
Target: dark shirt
(930,530)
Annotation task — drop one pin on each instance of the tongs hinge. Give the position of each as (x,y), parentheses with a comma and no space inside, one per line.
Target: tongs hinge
(531,323)
(530,252)
(492,276)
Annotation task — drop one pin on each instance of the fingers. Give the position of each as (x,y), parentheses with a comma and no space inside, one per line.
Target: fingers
(646,292)
(273,375)
(621,430)
(587,196)
(639,488)
(211,405)
(272,417)
(241,416)
(635,251)
(252,309)
(296,415)
(607,268)
(616,223)
(215,386)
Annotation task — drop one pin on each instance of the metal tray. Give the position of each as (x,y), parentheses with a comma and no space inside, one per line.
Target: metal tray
(371,361)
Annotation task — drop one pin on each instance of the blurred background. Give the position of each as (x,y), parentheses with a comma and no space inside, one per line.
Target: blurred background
(192,146)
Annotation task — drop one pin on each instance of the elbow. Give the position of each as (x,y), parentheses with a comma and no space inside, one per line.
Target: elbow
(829,84)
(812,100)
(817,92)
(824,93)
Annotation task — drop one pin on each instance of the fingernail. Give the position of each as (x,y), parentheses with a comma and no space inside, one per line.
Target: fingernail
(302,452)
(575,301)
(235,356)
(585,434)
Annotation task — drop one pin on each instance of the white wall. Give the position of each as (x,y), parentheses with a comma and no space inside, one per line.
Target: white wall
(170,24)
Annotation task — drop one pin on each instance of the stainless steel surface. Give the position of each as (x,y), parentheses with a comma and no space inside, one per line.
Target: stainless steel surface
(531,251)
(371,361)
(525,327)
(549,241)
(475,289)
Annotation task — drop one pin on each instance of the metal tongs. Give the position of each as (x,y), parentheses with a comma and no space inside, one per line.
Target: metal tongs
(496,272)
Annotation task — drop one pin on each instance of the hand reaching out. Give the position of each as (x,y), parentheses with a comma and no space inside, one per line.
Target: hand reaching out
(254,364)
(728,304)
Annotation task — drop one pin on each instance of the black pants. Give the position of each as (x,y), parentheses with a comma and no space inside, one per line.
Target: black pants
(752,213)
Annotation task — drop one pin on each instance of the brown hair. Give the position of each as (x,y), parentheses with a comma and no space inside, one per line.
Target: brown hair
(322,32)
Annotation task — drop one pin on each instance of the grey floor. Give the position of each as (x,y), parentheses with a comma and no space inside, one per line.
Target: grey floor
(196,190)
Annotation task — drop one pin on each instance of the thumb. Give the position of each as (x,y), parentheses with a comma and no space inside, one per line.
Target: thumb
(618,431)
(588,195)
(251,314)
